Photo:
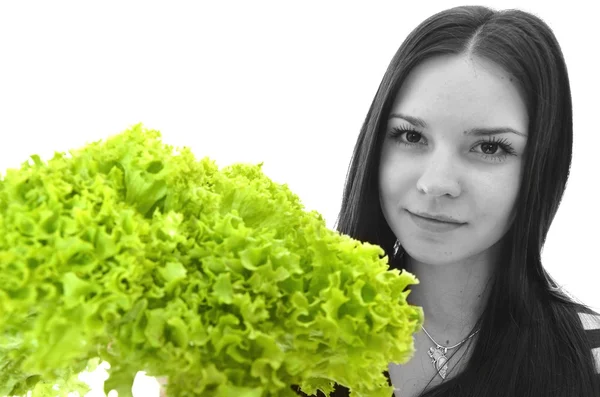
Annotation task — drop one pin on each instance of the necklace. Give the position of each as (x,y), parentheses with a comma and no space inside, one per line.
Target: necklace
(438,354)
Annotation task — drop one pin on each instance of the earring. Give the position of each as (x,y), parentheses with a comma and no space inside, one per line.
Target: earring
(397,247)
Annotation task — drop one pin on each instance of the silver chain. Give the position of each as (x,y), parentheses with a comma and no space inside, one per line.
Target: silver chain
(451,347)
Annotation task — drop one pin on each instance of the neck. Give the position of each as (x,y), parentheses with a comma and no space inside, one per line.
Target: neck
(452,295)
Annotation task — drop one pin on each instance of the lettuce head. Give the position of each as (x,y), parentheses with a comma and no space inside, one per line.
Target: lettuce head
(136,253)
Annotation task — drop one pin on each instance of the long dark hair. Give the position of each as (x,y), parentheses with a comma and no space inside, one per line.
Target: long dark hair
(531,341)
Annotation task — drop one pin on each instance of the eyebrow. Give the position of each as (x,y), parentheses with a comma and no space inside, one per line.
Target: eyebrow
(474,131)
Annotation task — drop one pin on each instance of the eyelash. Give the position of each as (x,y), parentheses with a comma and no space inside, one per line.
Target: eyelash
(503,143)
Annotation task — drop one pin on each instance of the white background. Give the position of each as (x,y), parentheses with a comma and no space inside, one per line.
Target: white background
(287,84)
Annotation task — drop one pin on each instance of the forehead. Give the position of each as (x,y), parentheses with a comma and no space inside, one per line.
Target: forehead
(453,88)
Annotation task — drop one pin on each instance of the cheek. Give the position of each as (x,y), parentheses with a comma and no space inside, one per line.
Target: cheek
(392,178)
(496,198)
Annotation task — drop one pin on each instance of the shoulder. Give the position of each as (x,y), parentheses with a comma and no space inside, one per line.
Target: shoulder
(591,327)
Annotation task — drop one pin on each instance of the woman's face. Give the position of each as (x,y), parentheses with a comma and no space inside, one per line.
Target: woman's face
(436,158)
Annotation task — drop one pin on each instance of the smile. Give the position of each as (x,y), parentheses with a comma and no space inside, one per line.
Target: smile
(433,225)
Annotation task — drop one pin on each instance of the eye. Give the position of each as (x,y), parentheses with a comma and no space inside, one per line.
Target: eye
(490,147)
(412,136)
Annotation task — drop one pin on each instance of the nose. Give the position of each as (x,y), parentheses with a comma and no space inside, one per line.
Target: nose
(438,178)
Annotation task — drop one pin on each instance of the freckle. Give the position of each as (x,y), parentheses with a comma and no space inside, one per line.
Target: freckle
(447,342)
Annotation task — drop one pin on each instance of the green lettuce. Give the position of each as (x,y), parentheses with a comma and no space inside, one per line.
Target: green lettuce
(136,253)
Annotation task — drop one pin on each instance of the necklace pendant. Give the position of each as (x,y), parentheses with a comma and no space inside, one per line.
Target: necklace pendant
(439,360)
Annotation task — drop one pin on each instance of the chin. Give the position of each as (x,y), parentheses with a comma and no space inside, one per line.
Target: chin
(425,253)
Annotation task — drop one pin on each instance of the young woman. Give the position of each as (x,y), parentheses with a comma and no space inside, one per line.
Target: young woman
(472,126)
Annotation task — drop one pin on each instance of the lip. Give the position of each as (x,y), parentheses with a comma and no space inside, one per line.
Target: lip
(440,218)
(432,225)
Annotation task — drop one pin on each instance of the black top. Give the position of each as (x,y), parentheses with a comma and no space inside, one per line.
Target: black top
(591,326)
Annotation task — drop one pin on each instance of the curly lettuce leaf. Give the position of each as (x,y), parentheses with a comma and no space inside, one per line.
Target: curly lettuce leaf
(132,252)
